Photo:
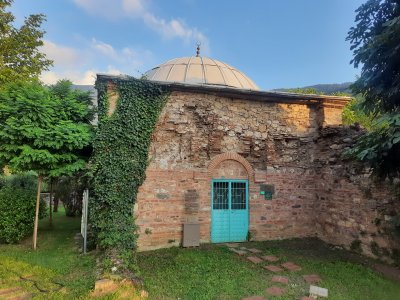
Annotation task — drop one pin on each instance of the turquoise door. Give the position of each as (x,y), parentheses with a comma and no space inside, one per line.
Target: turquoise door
(229,214)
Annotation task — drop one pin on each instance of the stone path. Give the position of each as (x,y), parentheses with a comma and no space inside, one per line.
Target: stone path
(270,258)
(280,279)
(291,266)
(312,278)
(273,268)
(275,291)
(254,259)
(274,264)
(254,298)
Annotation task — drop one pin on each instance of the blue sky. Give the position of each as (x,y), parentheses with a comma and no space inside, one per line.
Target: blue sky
(277,43)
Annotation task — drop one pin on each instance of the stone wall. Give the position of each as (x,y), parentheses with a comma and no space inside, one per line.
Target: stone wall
(293,147)
(353,210)
(194,129)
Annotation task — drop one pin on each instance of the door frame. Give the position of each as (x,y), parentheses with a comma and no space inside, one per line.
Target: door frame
(246,181)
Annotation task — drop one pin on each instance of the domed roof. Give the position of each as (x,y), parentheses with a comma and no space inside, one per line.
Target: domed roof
(200,70)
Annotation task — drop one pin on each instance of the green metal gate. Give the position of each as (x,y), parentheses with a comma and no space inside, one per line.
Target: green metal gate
(229,214)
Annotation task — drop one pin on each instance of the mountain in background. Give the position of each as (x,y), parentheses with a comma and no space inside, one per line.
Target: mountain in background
(326,89)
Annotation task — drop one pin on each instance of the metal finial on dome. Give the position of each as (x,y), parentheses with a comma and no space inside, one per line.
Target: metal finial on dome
(198,50)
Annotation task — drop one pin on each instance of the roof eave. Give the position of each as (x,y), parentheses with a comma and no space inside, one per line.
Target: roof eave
(237,93)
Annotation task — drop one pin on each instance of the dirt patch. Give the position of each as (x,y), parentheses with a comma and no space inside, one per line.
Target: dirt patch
(389,272)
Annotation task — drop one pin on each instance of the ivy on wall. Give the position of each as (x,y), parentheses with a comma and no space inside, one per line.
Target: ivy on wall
(127,117)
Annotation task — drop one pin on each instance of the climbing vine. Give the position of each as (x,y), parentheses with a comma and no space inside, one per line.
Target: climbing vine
(127,117)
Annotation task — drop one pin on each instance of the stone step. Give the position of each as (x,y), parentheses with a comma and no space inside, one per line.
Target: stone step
(273,268)
(254,259)
(275,291)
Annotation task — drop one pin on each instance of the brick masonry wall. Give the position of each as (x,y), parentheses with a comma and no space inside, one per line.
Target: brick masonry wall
(354,210)
(294,147)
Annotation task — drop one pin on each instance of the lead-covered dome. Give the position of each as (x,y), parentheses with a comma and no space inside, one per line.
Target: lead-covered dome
(200,70)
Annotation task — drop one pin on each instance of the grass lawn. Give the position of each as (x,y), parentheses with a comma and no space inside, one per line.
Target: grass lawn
(57,271)
(56,267)
(214,272)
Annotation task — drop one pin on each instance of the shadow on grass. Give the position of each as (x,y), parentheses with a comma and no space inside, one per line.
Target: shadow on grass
(55,269)
(214,272)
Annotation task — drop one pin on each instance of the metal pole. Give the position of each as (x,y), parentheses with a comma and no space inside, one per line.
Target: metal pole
(85,215)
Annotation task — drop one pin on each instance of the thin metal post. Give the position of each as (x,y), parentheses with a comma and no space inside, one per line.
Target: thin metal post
(85,208)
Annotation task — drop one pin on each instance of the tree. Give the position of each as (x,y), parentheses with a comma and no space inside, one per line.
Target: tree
(353,113)
(64,90)
(20,58)
(40,132)
(376,44)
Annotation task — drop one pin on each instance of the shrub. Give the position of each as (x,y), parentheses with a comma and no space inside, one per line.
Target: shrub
(27,181)
(17,213)
(70,190)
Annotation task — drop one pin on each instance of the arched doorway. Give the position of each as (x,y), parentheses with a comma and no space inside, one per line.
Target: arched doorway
(230,175)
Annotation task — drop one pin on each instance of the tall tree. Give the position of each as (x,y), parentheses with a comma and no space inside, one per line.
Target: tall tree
(375,41)
(64,90)
(20,56)
(40,132)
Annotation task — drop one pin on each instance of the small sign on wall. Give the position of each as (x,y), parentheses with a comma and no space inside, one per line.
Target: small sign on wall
(268,190)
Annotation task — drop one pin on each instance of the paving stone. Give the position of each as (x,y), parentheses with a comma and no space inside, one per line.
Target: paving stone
(254,259)
(254,250)
(291,266)
(232,245)
(275,291)
(312,278)
(273,268)
(240,252)
(280,279)
(318,291)
(254,298)
(270,258)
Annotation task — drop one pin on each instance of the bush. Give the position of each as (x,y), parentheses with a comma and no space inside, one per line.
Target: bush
(27,181)
(17,212)
(70,191)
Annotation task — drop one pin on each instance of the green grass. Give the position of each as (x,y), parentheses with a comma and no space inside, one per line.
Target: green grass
(55,267)
(213,272)
(208,272)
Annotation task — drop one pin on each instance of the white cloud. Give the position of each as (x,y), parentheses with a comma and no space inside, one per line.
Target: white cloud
(81,65)
(138,9)
(85,77)
(106,8)
(104,48)
(133,6)
(176,28)
(61,55)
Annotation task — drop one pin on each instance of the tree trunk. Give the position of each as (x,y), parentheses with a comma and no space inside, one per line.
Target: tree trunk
(55,209)
(37,212)
(50,202)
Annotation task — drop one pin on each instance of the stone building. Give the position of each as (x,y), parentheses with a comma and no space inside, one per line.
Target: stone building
(249,164)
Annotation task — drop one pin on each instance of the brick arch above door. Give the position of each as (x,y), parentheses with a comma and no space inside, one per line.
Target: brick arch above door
(217,160)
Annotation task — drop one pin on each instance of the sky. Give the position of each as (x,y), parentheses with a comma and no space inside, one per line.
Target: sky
(277,43)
